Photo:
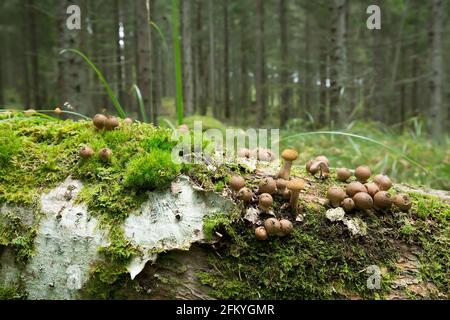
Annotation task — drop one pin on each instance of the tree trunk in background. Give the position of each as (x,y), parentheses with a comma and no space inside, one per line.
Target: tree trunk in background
(34,54)
(2,99)
(143,53)
(202,74)
(156,69)
(244,95)
(415,64)
(338,62)
(212,73)
(436,111)
(226,61)
(119,52)
(129,56)
(323,94)
(284,73)
(60,22)
(188,76)
(259,74)
(306,81)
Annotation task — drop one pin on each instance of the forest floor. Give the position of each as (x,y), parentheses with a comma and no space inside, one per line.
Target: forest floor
(319,260)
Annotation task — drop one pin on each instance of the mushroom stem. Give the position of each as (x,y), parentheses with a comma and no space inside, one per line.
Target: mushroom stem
(285,170)
(294,199)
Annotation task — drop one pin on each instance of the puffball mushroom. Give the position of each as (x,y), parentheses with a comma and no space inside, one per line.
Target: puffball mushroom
(58,110)
(403,202)
(128,121)
(265,155)
(295,186)
(322,159)
(372,188)
(348,204)
(243,153)
(261,234)
(111,123)
(289,155)
(343,174)
(382,200)
(245,194)
(383,182)
(99,121)
(308,165)
(336,195)
(363,201)
(286,228)
(267,185)
(236,183)
(363,173)
(86,152)
(355,187)
(321,166)
(105,154)
(265,202)
(272,226)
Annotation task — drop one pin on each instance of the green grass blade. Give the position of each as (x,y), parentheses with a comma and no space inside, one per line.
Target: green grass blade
(177,55)
(333,133)
(105,83)
(140,102)
(155,26)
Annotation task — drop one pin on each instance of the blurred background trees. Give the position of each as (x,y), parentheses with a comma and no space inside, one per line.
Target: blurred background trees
(266,63)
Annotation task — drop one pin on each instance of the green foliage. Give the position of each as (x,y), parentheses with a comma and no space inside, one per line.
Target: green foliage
(140,102)
(207,123)
(151,171)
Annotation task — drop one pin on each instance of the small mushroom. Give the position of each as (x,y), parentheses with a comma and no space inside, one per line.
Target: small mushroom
(348,204)
(336,195)
(403,202)
(111,123)
(343,174)
(322,159)
(286,194)
(320,166)
(267,185)
(281,185)
(128,121)
(272,226)
(286,228)
(308,165)
(105,154)
(382,200)
(86,152)
(265,155)
(236,183)
(383,182)
(363,173)
(363,201)
(245,194)
(58,110)
(99,121)
(295,186)
(261,234)
(289,155)
(355,187)
(372,188)
(243,153)
(265,202)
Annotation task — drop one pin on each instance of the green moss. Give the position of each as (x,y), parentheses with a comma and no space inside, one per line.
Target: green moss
(151,171)
(9,145)
(12,293)
(213,223)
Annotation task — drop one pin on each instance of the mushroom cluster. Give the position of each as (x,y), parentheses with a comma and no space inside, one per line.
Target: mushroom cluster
(363,194)
(283,188)
(261,154)
(87,152)
(108,123)
(319,165)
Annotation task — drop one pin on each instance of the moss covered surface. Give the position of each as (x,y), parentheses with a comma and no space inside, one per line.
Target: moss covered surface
(319,260)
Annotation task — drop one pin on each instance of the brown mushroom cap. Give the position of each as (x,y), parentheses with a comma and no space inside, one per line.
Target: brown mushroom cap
(289,154)
(372,188)
(322,159)
(261,234)
(267,185)
(377,178)
(265,200)
(384,183)
(281,184)
(336,195)
(243,153)
(308,165)
(111,123)
(86,152)
(348,204)
(105,154)
(343,174)
(245,194)
(272,226)
(382,200)
(286,228)
(296,185)
(265,155)
(403,202)
(363,173)
(363,201)
(237,183)
(128,121)
(355,187)
(99,121)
